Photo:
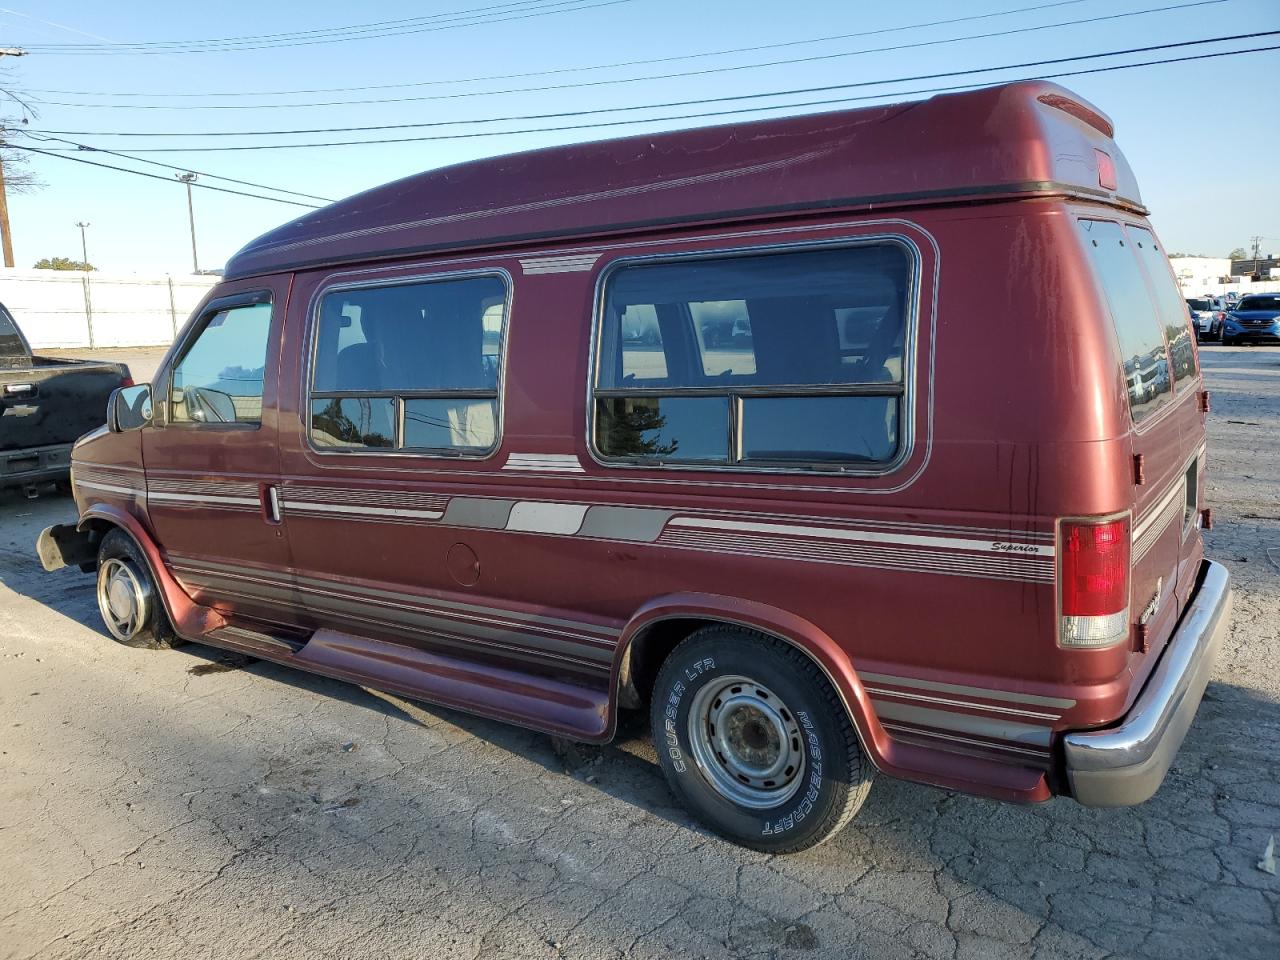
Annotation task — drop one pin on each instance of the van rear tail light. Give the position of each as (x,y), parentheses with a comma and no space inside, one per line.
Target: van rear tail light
(1094,583)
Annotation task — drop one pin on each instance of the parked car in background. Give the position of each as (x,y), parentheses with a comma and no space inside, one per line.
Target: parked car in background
(1254,319)
(1204,318)
(45,405)
(734,456)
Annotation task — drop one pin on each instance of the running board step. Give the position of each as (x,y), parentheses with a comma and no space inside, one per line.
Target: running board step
(270,646)
(543,703)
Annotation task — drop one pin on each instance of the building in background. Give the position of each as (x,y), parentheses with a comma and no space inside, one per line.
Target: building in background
(1264,268)
(1218,276)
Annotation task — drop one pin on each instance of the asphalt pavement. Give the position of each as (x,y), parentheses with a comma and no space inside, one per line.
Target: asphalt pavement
(190,803)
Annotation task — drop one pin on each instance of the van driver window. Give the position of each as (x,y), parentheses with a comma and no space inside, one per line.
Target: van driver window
(790,358)
(410,366)
(219,378)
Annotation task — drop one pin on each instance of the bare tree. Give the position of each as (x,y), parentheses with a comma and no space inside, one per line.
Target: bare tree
(18,175)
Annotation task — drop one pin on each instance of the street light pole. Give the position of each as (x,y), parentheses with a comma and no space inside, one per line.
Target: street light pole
(84,249)
(189,179)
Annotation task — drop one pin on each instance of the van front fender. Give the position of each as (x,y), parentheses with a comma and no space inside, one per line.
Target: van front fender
(190,620)
(805,636)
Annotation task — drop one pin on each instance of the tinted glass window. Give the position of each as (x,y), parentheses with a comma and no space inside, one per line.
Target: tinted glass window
(411,366)
(420,336)
(1169,305)
(1142,348)
(353,422)
(819,428)
(219,379)
(665,429)
(1259,303)
(776,340)
(444,423)
(1199,305)
(11,345)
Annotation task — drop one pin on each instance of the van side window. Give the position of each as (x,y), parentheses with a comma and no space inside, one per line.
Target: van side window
(410,366)
(219,378)
(786,358)
(1170,306)
(1142,346)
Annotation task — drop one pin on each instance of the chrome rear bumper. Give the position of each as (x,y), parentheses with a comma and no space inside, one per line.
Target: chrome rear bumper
(1125,764)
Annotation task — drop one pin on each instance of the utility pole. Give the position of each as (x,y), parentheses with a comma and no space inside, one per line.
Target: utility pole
(1257,243)
(6,240)
(84,249)
(189,179)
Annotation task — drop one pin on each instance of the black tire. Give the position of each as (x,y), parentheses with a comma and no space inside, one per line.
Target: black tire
(150,629)
(788,692)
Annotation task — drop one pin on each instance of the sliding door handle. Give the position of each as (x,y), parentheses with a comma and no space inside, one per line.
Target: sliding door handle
(271,503)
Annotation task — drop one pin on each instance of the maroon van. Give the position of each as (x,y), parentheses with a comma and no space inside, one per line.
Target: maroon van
(862,441)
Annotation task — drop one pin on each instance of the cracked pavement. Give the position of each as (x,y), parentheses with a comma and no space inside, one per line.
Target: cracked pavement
(197,804)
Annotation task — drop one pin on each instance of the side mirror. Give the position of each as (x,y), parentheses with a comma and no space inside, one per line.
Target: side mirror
(129,408)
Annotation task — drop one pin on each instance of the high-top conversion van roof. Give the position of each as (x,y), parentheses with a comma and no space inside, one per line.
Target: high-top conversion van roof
(870,440)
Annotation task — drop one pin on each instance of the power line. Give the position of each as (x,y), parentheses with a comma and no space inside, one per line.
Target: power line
(666,76)
(704,115)
(155,176)
(663,106)
(168,166)
(524,13)
(648,61)
(346,30)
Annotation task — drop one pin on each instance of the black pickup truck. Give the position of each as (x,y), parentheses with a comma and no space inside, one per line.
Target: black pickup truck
(45,406)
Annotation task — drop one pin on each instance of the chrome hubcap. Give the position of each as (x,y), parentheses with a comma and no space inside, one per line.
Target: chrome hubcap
(123,598)
(746,742)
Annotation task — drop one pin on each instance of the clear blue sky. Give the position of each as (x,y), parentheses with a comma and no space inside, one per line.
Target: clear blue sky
(1178,124)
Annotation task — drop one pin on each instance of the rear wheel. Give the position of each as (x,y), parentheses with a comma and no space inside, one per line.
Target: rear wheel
(755,742)
(127,595)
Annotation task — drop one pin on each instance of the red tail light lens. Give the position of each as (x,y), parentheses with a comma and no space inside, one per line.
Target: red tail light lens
(1106,170)
(1094,582)
(127,382)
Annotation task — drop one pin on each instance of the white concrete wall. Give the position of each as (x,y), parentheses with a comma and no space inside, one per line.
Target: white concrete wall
(1202,277)
(64,308)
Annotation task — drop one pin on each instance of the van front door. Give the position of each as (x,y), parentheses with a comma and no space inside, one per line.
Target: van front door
(211,456)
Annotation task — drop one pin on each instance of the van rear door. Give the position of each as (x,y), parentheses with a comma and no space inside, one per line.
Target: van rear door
(1188,412)
(1155,439)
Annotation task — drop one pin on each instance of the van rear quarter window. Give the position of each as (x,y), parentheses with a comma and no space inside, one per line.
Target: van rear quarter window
(791,357)
(1143,355)
(409,366)
(1170,306)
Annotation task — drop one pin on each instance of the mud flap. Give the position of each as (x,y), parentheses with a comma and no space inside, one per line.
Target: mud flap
(63,545)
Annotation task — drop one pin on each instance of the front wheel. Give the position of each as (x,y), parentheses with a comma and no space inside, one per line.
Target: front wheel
(128,598)
(755,742)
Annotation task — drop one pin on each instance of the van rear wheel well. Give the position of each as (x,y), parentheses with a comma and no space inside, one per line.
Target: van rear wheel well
(649,649)
(645,655)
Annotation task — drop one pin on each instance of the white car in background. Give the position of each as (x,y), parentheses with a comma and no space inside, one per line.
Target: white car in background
(1207,316)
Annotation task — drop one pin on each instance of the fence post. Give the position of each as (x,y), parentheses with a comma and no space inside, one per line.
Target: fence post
(88,310)
(173,309)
